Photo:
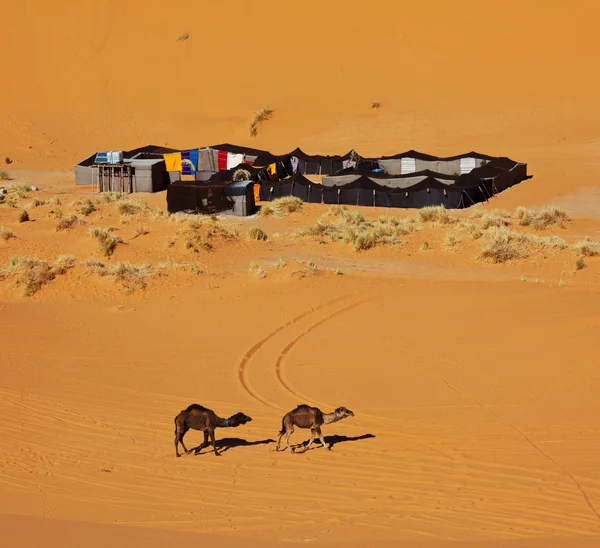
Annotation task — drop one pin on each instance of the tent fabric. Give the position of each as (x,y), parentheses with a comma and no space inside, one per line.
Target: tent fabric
(189,162)
(455,181)
(173,161)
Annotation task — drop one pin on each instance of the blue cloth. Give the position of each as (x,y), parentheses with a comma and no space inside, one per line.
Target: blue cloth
(101,158)
(189,162)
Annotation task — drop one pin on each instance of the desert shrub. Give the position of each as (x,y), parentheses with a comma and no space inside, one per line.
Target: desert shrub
(588,247)
(256,270)
(65,223)
(494,218)
(500,247)
(130,276)
(184,267)
(140,230)
(260,116)
(375,104)
(451,240)
(256,233)
(62,264)
(543,218)
(6,233)
(282,207)
(23,188)
(94,266)
(110,197)
(39,202)
(23,216)
(4,176)
(579,263)
(425,246)
(107,242)
(31,273)
(196,242)
(131,207)
(437,214)
(87,208)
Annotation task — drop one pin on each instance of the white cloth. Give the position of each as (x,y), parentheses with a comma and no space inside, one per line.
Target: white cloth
(234,160)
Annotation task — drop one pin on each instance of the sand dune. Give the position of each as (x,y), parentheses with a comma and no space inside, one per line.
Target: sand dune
(473,384)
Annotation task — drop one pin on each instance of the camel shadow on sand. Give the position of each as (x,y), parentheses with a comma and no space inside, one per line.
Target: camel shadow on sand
(331,441)
(225,444)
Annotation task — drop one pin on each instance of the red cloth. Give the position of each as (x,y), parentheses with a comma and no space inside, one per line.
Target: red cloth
(222,159)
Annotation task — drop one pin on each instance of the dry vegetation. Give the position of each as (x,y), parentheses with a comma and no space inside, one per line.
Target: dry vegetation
(282,207)
(23,216)
(107,242)
(256,233)
(259,117)
(66,223)
(6,233)
(30,274)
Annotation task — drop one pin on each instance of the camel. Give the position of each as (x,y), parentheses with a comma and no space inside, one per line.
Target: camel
(198,417)
(305,416)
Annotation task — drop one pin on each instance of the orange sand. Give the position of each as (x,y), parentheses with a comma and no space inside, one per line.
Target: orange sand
(475,392)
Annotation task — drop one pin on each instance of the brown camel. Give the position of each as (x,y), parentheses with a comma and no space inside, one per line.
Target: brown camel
(305,416)
(197,417)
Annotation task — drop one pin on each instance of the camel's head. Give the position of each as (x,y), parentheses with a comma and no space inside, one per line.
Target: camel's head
(342,413)
(239,418)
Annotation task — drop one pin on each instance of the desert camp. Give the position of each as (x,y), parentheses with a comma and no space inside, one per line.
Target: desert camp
(199,177)
(300,274)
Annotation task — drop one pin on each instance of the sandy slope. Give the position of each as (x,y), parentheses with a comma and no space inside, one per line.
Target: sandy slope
(475,393)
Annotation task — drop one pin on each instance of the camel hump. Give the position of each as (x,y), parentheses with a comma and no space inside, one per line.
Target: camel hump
(303,407)
(195,407)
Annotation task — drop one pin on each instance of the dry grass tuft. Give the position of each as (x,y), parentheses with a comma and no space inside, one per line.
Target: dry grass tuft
(501,247)
(256,233)
(256,270)
(94,266)
(140,230)
(65,223)
(131,207)
(437,214)
(588,247)
(494,218)
(183,267)
(4,176)
(259,117)
(541,219)
(55,200)
(579,264)
(375,104)
(282,207)
(32,273)
(63,263)
(451,240)
(473,230)
(130,276)
(107,242)
(39,202)
(195,242)
(110,197)
(23,216)
(87,208)
(425,246)
(6,233)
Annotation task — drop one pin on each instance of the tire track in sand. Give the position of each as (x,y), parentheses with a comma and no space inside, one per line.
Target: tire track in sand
(242,369)
(288,347)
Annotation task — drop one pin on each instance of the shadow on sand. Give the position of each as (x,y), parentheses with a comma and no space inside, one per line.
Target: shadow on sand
(330,441)
(225,444)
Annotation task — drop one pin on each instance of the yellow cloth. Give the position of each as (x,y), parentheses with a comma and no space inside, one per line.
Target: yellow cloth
(257,193)
(173,161)
(272,169)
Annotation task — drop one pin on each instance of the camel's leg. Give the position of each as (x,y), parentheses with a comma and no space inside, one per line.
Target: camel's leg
(279,441)
(212,438)
(203,444)
(179,433)
(312,438)
(287,438)
(321,438)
